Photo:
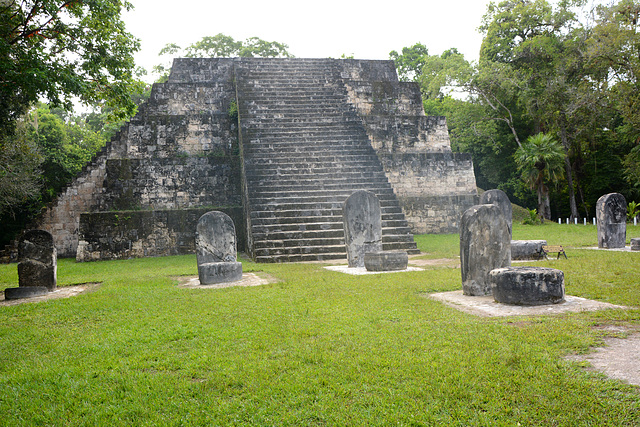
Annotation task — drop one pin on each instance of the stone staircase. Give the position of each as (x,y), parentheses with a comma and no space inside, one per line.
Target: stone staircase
(305,150)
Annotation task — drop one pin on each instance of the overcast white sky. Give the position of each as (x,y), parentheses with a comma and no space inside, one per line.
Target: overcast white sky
(328,28)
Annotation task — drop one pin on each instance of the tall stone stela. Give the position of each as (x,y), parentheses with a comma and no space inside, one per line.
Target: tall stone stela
(216,249)
(485,244)
(362,226)
(611,215)
(499,198)
(37,260)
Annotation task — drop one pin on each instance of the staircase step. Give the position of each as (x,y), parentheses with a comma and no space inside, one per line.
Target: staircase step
(350,188)
(294,205)
(335,192)
(388,220)
(386,212)
(302,258)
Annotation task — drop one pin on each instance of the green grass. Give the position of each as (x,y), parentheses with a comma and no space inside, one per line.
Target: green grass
(316,348)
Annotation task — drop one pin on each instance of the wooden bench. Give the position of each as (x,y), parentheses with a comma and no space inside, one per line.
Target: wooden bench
(547,249)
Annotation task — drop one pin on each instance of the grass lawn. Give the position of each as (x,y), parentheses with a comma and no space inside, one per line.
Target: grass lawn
(316,348)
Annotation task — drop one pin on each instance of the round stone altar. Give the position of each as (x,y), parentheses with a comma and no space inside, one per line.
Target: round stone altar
(386,261)
(527,285)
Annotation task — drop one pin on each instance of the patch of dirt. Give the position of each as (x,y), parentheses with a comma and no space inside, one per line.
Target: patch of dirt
(440,262)
(618,359)
(62,292)
(248,279)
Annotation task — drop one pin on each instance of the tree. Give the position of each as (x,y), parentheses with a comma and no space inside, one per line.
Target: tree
(443,79)
(410,62)
(539,50)
(66,145)
(540,160)
(615,48)
(59,49)
(19,170)
(49,147)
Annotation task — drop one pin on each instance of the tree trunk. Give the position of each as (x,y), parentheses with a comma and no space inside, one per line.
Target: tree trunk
(568,171)
(543,200)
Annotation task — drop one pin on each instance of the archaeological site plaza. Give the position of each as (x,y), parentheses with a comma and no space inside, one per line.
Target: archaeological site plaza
(278,145)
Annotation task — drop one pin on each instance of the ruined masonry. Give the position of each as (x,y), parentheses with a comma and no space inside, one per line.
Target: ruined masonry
(276,144)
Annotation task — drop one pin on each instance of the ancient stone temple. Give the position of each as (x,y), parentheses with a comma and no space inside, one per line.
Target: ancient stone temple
(276,144)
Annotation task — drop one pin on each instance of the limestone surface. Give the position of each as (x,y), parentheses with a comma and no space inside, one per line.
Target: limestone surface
(499,198)
(37,260)
(527,285)
(386,261)
(611,214)
(25,292)
(526,249)
(485,244)
(362,226)
(216,249)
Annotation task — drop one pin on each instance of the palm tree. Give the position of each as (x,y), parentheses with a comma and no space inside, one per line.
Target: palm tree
(540,160)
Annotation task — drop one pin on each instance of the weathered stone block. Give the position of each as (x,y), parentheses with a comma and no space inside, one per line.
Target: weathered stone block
(216,249)
(25,292)
(386,261)
(219,272)
(362,226)
(37,260)
(527,249)
(499,198)
(485,244)
(635,244)
(527,285)
(611,213)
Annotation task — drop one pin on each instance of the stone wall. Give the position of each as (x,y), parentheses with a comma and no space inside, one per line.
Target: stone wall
(62,217)
(435,174)
(408,134)
(434,189)
(135,234)
(172,183)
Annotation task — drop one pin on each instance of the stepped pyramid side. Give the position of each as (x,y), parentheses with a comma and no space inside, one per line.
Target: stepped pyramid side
(175,160)
(311,131)
(433,185)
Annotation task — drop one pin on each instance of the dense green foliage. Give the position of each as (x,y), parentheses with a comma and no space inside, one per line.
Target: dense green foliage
(544,67)
(316,348)
(60,145)
(57,51)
